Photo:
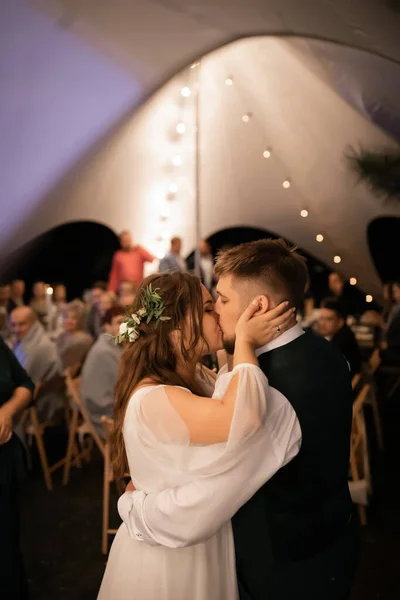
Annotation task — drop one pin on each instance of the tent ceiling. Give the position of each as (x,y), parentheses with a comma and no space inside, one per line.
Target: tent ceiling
(156,38)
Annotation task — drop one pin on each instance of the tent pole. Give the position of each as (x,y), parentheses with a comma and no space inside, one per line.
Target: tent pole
(197,174)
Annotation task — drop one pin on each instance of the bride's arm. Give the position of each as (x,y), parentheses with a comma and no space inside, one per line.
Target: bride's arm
(191,513)
(208,420)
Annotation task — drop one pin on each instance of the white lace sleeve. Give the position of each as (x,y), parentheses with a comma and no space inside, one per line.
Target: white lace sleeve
(201,487)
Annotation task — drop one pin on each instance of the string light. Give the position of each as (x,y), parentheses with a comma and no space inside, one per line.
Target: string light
(337,259)
(181,127)
(185,92)
(177,160)
(320,237)
(303,213)
(49,291)
(286,185)
(246,118)
(369,298)
(266,153)
(229,81)
(353,281)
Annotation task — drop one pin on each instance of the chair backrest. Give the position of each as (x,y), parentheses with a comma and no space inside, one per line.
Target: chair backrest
(359,445)
(355,381)
(73,389)
(108,425)
(374,361)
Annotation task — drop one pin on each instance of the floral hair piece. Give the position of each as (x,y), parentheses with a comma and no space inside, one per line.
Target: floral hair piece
(151,310)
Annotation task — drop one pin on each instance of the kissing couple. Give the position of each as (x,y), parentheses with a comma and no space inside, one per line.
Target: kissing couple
(240,480)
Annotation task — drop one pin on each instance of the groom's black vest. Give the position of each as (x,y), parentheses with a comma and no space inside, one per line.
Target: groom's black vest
(306,506)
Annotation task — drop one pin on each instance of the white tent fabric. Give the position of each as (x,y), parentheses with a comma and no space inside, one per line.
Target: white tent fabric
(292,91)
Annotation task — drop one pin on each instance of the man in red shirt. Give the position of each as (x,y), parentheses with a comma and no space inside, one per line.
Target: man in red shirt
(128,263)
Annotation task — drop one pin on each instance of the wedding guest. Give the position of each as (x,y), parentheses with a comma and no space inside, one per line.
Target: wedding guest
(16,390)
(128,263)
(37,354)
(351,300)
(107,301)
(206,265)
(126,293)
(100,371)
(391,344)
(74,343)
(94,317)
(17,295)
(173,260)
(332,326)
(40,303)
(4,303)
(56,314)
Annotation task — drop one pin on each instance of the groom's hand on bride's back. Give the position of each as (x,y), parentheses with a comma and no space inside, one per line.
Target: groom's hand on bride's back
(258,325)
(130,487)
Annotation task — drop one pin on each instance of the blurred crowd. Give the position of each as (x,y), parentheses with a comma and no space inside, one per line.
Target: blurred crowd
(49,334)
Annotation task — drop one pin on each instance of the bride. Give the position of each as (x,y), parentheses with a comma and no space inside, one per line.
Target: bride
(168,430)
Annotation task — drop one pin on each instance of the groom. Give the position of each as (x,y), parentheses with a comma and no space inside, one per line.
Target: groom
(295,538)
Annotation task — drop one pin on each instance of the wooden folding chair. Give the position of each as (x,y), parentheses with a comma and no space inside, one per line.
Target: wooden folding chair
(108,478)
(80,426)
(35,429)
(372,399)
(360,486)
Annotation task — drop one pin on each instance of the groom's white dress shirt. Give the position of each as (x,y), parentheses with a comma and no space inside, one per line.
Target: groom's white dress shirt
(191,513)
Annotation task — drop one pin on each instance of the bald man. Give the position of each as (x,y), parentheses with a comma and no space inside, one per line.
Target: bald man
(38,355)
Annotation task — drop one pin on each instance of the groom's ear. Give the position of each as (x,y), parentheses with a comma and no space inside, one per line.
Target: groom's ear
(263,305)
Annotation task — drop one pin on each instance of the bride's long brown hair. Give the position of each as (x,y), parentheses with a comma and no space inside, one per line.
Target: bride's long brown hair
(153,355)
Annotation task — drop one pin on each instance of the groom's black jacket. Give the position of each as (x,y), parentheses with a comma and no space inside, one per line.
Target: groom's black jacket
(306,507)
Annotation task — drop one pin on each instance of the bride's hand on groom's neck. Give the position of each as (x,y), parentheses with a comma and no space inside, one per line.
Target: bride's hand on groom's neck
(258,326)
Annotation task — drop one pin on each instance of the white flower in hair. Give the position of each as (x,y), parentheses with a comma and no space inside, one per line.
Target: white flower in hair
(141,312)
(123,328)
(133,334)
(135,318)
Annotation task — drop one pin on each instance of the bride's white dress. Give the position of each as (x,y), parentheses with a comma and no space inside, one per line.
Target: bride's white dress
(160,456)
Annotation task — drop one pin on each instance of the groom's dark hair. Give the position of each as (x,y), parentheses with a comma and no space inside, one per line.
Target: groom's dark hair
(272,263)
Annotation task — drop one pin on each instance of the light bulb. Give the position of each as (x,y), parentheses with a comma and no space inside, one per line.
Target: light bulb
(320,238)
(337,259)
(49,290)
(369,298)
(286,185)
(229,81)
(173,188)
(177,160)
(267,153)
(185,92)
(303,213)
(246,118)
(353,281)
(180,127)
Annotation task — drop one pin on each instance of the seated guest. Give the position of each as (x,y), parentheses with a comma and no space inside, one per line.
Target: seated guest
(17,295)
(38,355)
(350,298)
(126,293)
(100,371)
(4,303)
(332,326)
(94,317)
(391,344)
(173,260)
(40,303)
(74,343)
(107,301)
(56,318)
